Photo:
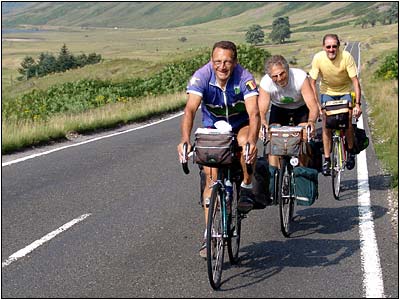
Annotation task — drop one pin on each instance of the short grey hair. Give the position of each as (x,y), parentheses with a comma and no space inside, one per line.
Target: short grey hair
(276,60)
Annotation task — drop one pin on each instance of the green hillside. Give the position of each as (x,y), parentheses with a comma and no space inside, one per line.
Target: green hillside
(154,14)
(124,14)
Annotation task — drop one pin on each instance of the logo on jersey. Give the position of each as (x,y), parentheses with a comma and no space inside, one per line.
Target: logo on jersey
(251,85)
(193,80)
(237,90)
(287,100)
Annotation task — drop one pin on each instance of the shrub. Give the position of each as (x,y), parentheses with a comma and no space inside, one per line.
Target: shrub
(390,67)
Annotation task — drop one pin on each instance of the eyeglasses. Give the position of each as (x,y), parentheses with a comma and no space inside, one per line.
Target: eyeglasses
(331,46)
(219,63)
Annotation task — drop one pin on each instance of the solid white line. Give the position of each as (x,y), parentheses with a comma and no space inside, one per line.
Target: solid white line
(370,261)
(87,141)
(21,253)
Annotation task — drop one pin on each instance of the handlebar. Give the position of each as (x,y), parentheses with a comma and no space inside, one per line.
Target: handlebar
(185,159)
(308,128)
(249,167)
(264,133)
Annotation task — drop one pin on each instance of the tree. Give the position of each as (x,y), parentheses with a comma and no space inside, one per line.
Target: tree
(28,68)
(65,60)
(280,30)
(47,64)
(93,58)
(255,35)
(391,16)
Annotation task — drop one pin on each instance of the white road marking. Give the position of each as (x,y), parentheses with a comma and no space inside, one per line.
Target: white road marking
(87,141)
(21,253)
(370,261)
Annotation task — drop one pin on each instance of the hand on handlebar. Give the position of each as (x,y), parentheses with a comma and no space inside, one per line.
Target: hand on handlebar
(263,133)
(183,151)
(356,112)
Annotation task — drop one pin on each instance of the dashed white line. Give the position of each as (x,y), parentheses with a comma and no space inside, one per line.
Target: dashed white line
(21,253)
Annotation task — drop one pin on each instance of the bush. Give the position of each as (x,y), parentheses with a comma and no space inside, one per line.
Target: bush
(390,68)
(85,94)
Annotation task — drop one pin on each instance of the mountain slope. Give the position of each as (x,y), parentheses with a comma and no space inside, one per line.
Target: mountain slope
(124,14)
(151,14)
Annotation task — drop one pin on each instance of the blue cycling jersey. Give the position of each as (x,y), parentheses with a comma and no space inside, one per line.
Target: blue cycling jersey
(225,105)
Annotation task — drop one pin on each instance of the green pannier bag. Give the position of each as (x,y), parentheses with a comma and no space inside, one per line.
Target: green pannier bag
(306,185)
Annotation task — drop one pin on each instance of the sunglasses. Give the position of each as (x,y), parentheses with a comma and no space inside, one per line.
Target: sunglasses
(331,46)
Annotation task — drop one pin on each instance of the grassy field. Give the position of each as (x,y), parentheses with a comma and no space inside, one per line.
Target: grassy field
(130,53)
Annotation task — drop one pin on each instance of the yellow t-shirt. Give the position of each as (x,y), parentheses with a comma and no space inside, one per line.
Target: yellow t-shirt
(335,74)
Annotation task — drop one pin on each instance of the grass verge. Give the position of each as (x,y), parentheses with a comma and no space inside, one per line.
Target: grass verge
(383,107)
(19,135)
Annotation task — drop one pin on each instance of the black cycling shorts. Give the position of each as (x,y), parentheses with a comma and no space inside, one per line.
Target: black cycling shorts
(282,116)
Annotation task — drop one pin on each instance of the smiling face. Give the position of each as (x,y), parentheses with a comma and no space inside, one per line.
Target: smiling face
(331,47)
(223,63)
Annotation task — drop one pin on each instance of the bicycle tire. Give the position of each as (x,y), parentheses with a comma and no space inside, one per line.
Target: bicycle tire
(286,198)
(336,170)
(235,226)
(215,240)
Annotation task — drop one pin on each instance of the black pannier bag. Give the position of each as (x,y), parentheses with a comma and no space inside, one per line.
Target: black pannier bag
(337,114)
(261,182)
(361,140)
(213,148)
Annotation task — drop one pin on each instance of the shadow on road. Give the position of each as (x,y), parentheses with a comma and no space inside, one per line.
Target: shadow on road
(259,261)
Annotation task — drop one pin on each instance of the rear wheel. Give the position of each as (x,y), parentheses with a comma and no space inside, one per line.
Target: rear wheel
(235,226)
(336,172)
(215,240)
(286,198)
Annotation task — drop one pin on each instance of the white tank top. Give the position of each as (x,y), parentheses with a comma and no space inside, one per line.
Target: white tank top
(289,96)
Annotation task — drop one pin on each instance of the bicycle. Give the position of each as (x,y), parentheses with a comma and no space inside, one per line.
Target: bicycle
(338,160)
(285,186)
(338,141)
(224,219)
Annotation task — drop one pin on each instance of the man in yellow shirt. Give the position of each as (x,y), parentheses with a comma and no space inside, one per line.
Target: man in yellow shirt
(338,72)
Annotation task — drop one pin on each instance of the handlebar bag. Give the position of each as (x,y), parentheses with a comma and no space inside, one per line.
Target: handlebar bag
(306,185)
(337,114)
(285,140)
(213,148)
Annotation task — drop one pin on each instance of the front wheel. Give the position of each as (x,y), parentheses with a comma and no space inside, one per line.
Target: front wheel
(286,198)
(215,240)
(336,172)
(234,226)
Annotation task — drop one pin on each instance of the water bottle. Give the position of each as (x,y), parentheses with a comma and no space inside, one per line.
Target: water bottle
(229,190)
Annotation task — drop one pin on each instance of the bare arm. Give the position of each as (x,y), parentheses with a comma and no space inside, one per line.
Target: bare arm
(357,89)
(189,114)
(254,125)
(313,84)
(264,101)
(309,98)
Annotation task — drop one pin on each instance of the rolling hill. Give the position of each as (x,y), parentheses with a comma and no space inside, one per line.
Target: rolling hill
(152,14)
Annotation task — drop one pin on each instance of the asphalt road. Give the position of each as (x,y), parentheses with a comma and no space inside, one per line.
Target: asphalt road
(142,228)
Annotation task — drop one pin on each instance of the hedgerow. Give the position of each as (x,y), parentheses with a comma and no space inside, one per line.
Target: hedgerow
(86,94)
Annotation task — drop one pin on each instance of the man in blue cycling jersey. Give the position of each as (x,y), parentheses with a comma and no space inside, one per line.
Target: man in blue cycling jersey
(338,72)
(226,91)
